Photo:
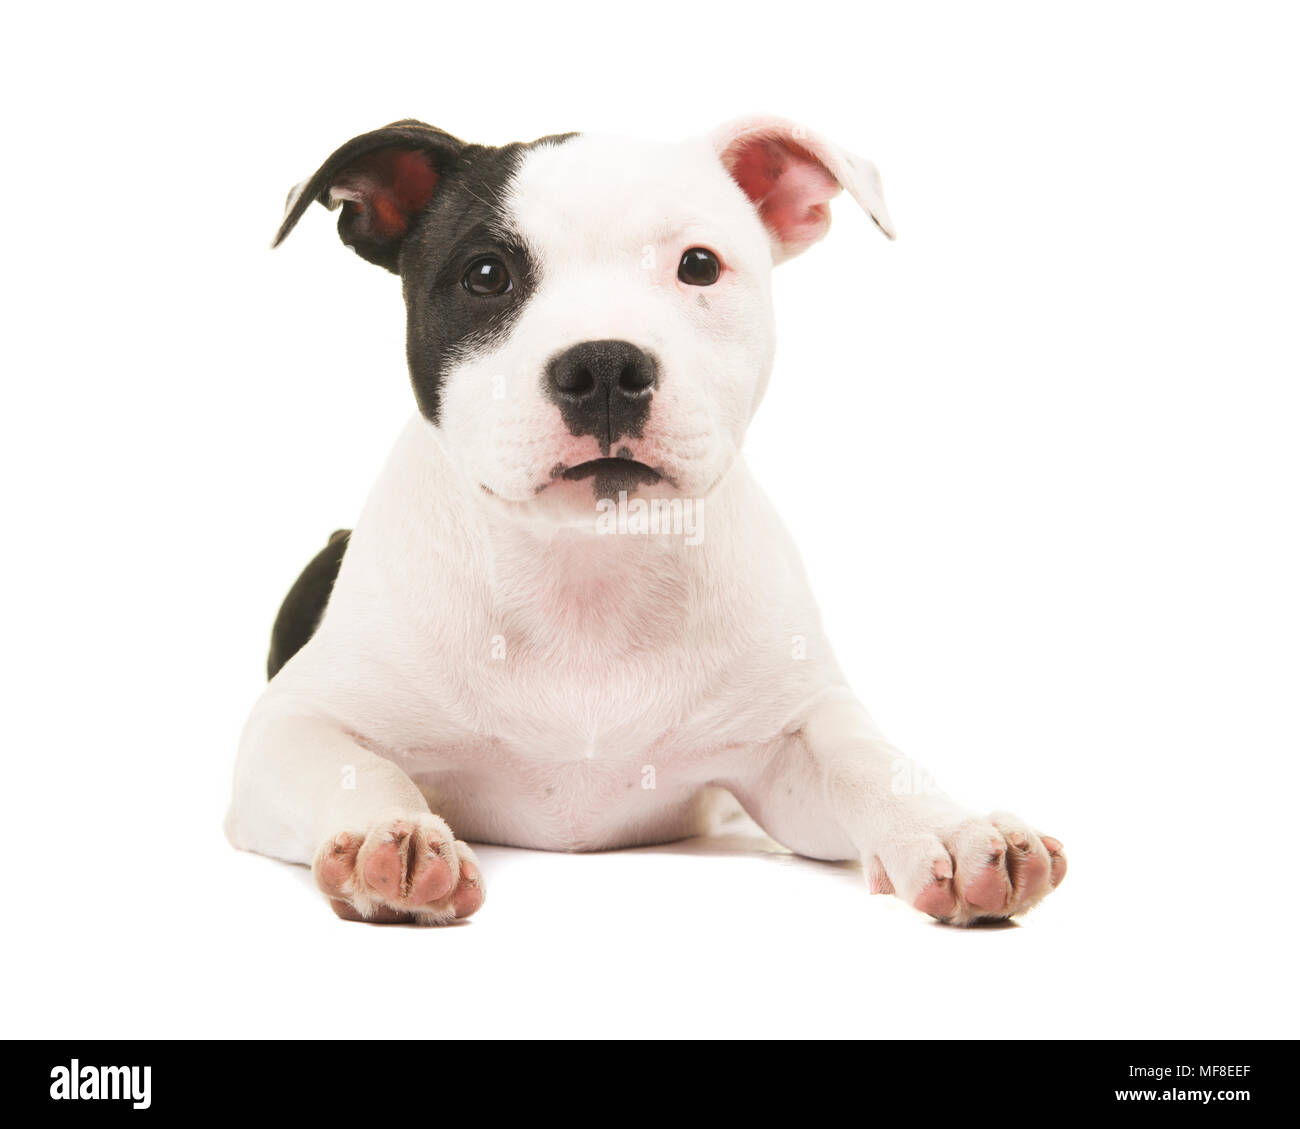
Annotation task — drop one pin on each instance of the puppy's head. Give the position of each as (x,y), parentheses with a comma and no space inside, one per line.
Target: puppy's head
(587,314)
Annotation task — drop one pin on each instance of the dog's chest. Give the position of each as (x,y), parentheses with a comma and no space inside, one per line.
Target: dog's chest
(565,752)
(498,792)
(585,659)
(596,676)
(585,711)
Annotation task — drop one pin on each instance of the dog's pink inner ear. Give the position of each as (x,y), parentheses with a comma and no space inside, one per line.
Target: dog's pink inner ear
(384,191)
(788,185)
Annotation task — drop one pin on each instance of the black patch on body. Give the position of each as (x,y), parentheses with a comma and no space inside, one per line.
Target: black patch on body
(304,606)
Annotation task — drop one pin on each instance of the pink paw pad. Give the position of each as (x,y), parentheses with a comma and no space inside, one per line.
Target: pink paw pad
(338,862)
(994,868)
(1056,852)
(404,870)
(987,890)
(469,892)
(1028,867)
(383,869)
(938,899)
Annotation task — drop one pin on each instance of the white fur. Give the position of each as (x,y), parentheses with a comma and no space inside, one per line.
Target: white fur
(537,684)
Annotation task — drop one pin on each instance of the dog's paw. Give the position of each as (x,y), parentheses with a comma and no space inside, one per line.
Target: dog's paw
(972,870)
(405,869)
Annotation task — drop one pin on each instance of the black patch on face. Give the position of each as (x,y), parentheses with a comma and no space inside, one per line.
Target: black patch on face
(423,204)
(465,221)
(382,181)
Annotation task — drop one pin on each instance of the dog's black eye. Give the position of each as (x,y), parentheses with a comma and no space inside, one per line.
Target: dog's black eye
(487,276)
(699,267)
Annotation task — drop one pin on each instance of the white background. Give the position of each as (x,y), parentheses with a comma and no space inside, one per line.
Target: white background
(1040,455)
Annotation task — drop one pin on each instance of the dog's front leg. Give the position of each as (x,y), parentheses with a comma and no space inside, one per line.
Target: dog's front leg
(833,787)
(305,791)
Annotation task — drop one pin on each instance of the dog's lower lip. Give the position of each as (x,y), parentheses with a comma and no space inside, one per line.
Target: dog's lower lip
(596,466)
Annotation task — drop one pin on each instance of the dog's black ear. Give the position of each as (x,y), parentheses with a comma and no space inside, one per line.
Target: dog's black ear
(384,180)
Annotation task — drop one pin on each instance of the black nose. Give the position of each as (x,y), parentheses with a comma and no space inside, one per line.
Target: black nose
(603,388)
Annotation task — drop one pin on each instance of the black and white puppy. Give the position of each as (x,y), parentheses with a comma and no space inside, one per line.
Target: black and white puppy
(568,618)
